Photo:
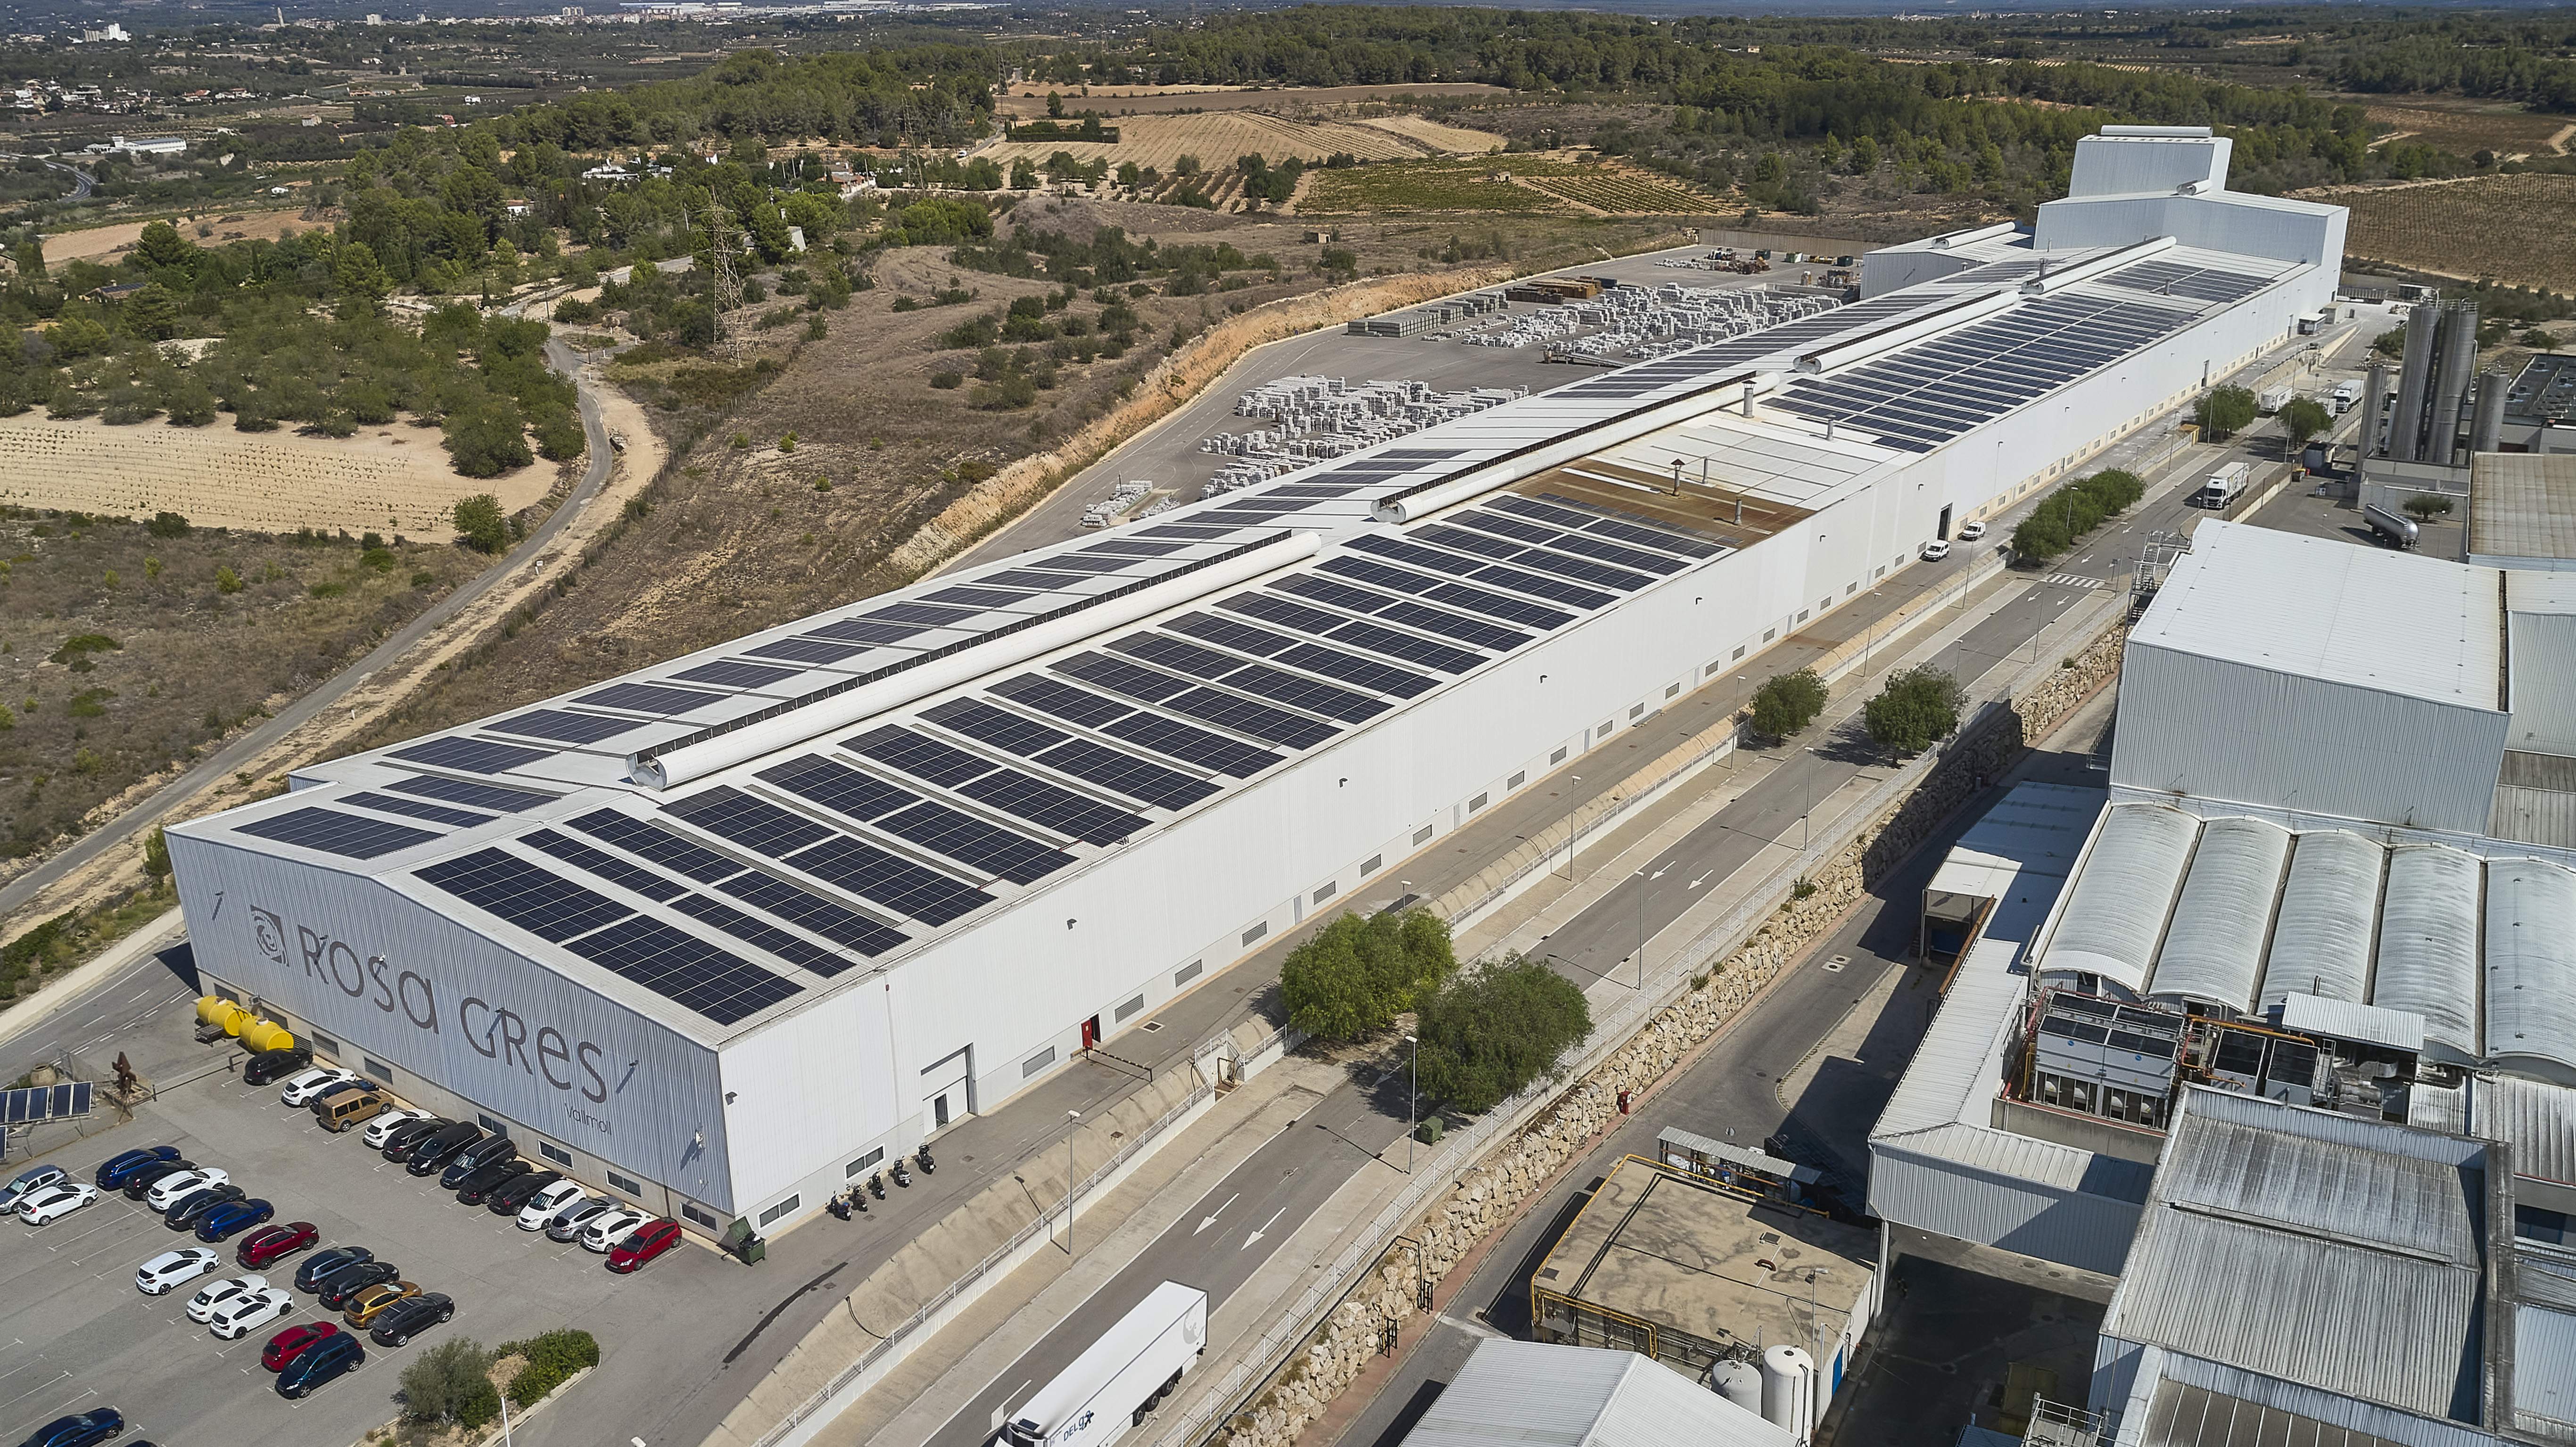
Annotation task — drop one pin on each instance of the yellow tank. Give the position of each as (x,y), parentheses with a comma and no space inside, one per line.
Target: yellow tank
(211,1008)
(266,1035)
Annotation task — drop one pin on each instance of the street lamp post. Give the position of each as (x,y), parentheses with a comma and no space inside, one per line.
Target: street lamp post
(1075,1117)
(1412,1103)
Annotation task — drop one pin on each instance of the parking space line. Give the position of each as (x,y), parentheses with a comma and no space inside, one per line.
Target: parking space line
(31,1391)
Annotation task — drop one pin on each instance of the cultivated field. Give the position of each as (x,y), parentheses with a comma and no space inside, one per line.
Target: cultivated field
(1625,191)
(2466,130)
(97,243)
(1218,138)
(1510,183)
(1434,136)
(1140,100)
(2510,228)
(390,480)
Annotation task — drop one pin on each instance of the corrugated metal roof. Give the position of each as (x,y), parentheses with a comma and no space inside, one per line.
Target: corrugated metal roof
(2536,1119)
(2116,914)
(1563,1396)
(2544,1363)
(2214,951)
(2183,1415)
(2543,679)
(2524,505)
(2531,965)
(2329,912)
(2428,945)
(1948,1079)
(2326,1187)
(2307,1014)
(2409,625)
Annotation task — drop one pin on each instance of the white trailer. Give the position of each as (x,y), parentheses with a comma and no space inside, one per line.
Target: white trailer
(2347,395)
(2272,399)
(1118,1379)
(2224,486)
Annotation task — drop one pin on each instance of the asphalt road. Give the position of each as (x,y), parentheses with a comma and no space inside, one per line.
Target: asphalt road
(241,751)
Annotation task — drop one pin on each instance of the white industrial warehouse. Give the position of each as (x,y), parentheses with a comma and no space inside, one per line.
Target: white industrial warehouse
(723,932)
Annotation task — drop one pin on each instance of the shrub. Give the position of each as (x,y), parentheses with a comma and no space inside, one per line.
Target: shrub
(1356,974)
(226,580)
(1488,1033)
(947,381)
(451,1382)
(1916,707)
(81,643)
(2426,506)
(481,524)
(487,440)
(379,558)
(1787,702)
(552,1358)
(2066,515)
(156,853)
(2224,411)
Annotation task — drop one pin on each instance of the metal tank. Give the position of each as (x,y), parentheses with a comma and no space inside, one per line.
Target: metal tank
(2486,430)
(2374,441)
(2414,383)
(1738,1381)
(1789,1390)
(2455,361)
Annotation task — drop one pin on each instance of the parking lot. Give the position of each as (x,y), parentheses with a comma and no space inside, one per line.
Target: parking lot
(84,1337)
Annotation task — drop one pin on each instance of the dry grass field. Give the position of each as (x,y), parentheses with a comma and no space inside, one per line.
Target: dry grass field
(1517,183)
(1028,102)
(1217,138)
(391,480)
(2513,229)
(2466,130)
(98,243)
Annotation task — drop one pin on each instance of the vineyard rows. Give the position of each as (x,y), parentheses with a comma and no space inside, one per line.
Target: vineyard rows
(2511,229)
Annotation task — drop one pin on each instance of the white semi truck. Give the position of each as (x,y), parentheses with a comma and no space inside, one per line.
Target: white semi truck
(1119,1378)
(2224,486)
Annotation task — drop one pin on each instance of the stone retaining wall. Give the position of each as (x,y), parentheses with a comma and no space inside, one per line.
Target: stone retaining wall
(1494,1193)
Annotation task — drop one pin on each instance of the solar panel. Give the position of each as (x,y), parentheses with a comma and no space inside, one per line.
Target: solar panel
(1303,693)
(1002,729)
(976,844)
(686,970)
(1213,752)
(1226,633)
(759,826)
(351,836)
(1412,649)
(1518,580)
(804,908)
(1271,608)
(564,725)
(1064,701)
(1067,563)
(979,597)
(34,1103)
(1338,594)
(507,887)
(918,755)
(1121,677)
(1369,570)
(1187,659)
(769,937)
(1477,600)
(809,648)
(473,756)
(1186,530)
(652,841)
(861,630)
(417,809)
(604,864)
(1260,721)
(465,791)
(890,880)
(1357,671)
(1125,773)
(1032,579)
(1049,807)
(1454,625)
(836,786)
(648,698)
(929,615)
(1131,547)
(734,673)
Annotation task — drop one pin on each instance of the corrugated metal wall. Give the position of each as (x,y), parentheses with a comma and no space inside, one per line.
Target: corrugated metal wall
(2116,914)
(2329,914)
(2428,946)
(2214,952)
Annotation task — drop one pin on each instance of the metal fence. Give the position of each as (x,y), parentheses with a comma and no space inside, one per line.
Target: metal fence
(999,1260)
(1611,1033)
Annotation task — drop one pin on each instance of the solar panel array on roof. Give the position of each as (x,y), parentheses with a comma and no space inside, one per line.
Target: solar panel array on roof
(503,885)
(1566,512)
(1919,397)
(604,864)
(680,967)
(564,726)
(652,841)
(648,698)
(890,879)
(466,791)
(755,824)
(2182,278)
(1518,579)
(754,931)
(472,756)
(734,673)
(1009,790)
(333,831)
(415,809)
(793,903)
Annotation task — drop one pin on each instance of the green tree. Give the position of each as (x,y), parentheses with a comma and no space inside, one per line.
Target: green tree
(2390,343)
(2303,418)
(360,280)
(1356,974)
(2223,412)
(167,525)
(451,1382)
(2066,515)
(162,245)
(1916,708)
(2539,339)
(1493,1030)
(152,313)
(156,853)
(480,523)
(1787,702)
(2426,506)
(487,439)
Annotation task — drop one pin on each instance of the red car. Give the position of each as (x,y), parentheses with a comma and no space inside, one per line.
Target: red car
(293,1342)
(648,1241)
(275,1243)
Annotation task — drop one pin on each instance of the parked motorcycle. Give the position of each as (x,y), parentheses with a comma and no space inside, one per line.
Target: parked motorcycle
(902,1177)
(922,1156)
(840,1206)
(876,1185)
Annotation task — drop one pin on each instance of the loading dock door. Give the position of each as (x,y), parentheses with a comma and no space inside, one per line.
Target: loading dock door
(947,1091)
(1943,531)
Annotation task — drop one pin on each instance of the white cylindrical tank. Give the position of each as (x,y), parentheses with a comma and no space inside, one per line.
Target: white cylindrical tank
(1788,1389)
(1739,1382)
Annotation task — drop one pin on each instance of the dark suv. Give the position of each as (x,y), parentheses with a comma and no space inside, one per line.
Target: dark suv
(407,1137)
(477,1186)
(274,1065)
(433,1152)
(514,1193)
(491,1150)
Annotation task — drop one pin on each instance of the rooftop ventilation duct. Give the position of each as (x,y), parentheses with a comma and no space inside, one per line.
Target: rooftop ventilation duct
(1970,237)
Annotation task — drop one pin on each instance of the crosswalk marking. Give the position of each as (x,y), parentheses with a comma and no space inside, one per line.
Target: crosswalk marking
(2072,580)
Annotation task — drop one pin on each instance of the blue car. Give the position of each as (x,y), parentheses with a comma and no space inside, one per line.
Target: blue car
(78,1431)
(120,1169)
(27,1183)
(334,1356)
(233,1216)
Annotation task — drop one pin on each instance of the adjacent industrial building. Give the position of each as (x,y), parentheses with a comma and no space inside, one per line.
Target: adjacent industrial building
(724,932)
(1517,1391)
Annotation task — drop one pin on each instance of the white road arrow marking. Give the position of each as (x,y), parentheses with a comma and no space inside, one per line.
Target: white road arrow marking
(1265,1226)
(1696,883)
(1210,1218)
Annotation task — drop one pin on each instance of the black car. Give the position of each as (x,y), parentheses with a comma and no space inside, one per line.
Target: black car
(488,1151)
(185,1212)
(515,1192)
(333,1356)
(113,1172)
(477,1186)
(400,1142)
(341,1285)
(404,1319)
(434,1152)
(140,1184)
(308,1277)
(275,1065)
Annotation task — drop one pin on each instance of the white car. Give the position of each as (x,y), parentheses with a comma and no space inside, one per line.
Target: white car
(172,1267)
(55,1202)
(385,1123)
(540,1211)
(249,1309)
(222,1295)
(304,1089)
(178,1186)
(1935,550)
(608,1230)
(1970,532)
